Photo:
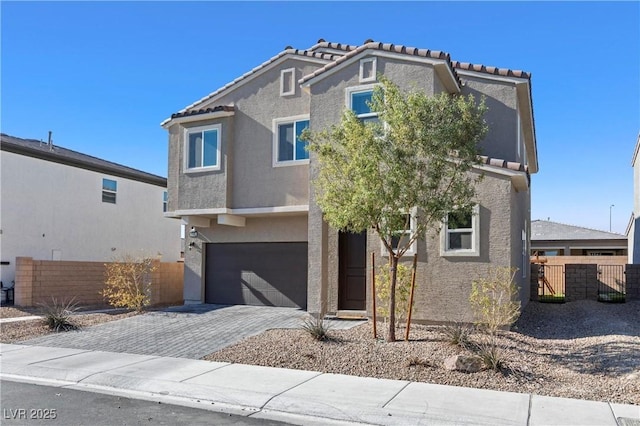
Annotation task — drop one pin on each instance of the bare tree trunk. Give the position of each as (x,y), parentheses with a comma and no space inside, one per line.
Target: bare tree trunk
(393,269)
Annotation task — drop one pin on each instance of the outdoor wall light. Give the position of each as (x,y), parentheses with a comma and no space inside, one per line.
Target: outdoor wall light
(193,233)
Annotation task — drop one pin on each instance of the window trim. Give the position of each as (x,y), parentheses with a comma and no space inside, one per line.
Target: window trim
(108,191)
(474,251)
(349,91)
(276,134)
(412,231)
(292,72)
(374,69)
(189,130)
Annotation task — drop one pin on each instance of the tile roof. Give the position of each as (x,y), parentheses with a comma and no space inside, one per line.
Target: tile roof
(387,47)
(503,72)
(545,230)
(398,48)
(218,108)
(42,150)
(287,51)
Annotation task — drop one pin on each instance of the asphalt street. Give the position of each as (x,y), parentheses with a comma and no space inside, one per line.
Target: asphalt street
(29,404)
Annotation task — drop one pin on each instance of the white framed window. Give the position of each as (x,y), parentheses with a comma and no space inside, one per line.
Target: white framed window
(288,149)
(288,82)
(109,191)
(402,236)
(460,235)
(368,69)
(202,148)
(359,101)
(165,201)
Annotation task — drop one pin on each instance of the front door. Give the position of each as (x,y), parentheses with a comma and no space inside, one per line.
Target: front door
(352,265)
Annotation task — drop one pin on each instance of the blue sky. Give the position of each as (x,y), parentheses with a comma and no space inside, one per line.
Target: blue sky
(103,75)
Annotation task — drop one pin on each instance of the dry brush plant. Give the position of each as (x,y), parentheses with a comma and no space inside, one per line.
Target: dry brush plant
(403,291)
(494,304)
(128,282)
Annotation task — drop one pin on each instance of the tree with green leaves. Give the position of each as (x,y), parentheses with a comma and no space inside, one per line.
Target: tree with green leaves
(401,174)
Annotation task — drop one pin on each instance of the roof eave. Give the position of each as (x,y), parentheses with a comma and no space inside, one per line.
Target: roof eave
(442,68)
(195,117)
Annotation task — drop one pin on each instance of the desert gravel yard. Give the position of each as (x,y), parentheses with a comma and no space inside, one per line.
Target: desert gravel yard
(586,350)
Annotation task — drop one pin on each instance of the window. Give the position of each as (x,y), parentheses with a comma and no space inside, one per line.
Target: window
(287,82)
(165,201)
(459,235)
(203,147)
(288,149)
(368,70)
(403,235)
(359,101)
(109,189)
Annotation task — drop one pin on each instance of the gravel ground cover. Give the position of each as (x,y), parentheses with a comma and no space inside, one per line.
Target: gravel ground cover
(13,332)
(586,350)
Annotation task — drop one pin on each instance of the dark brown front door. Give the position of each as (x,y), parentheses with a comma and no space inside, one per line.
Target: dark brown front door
(352,265)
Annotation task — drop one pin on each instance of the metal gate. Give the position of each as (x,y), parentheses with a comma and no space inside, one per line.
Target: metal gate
(611,283)
(551,286)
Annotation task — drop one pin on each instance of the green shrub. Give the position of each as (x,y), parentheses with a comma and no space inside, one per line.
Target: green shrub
(128,282)
(403,291)
(57,314)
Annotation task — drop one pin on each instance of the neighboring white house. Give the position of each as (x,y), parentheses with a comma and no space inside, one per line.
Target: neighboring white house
(58,204)
(633,230)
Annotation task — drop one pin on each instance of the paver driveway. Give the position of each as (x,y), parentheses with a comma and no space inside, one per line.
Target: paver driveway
(191,331)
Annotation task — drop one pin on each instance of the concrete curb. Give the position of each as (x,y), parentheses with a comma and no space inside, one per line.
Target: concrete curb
(295,396)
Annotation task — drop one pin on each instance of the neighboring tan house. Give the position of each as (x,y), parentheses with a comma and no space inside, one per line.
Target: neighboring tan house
(633,230)
(59,204)
(240,178)
(558,239)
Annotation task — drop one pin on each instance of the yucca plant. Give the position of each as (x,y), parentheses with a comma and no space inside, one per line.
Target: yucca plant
(316,327)
(57,314)
(457,334)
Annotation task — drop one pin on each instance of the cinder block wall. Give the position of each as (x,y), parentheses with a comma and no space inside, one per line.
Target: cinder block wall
(581,282)
(37,281)
(633,282)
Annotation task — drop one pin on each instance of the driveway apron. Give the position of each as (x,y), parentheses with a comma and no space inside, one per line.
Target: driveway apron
(190,331)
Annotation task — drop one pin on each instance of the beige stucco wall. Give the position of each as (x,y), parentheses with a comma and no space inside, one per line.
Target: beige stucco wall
(248,178)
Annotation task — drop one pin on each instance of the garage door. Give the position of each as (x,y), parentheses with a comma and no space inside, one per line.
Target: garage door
(266,274)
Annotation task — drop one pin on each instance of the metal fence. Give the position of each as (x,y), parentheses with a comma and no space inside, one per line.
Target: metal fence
(611,283)
(551,284)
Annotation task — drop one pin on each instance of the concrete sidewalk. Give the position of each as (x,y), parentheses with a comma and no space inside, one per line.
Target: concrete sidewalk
(295,396)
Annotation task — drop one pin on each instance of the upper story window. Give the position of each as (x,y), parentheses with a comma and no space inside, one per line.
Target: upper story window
(109,190)
(368,69)
(288,149)
(359,101)
(288,82)
(202,147)
(165,201)
(460,234)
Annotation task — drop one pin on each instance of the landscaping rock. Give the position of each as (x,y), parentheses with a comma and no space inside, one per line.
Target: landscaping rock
(466,363)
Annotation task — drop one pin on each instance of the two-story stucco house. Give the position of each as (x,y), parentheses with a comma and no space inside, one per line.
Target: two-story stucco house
(240,178)
(60,204)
